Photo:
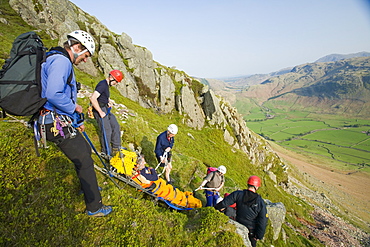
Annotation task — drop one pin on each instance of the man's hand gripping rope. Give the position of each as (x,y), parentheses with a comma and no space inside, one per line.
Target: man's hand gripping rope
(164,158)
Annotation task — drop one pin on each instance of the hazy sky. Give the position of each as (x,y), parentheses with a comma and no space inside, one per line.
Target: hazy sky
(216,38)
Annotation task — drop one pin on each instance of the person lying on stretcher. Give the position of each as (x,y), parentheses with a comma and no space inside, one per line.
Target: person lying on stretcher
(144,174)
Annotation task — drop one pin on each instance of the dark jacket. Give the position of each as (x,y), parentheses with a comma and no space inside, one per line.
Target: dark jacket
(149,173)
(250,210)
(163,143)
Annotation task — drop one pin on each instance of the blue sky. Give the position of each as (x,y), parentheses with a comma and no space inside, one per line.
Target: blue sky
(220,38)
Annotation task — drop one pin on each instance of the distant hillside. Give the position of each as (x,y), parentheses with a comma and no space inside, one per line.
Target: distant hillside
(226,87)
(342,87)
(247,80)
(239,82)
(337,57)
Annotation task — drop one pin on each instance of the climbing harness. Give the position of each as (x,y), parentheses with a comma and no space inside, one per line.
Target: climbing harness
(59,122)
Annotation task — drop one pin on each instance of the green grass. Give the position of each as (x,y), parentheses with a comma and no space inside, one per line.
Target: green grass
(342,137)
(40,201)
(248,107)
(365,145)
(42,193)
(345,155)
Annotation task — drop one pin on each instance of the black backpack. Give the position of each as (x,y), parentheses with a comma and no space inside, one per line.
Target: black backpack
(20,76)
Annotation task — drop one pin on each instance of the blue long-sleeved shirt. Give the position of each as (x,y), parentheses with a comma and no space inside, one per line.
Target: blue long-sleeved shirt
(61,97)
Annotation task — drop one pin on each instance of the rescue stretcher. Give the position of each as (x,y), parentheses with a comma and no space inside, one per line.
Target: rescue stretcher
(121,167)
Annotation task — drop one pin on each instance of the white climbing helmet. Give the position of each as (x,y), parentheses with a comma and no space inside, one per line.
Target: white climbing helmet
(222,169)
(85,39)
(172,128)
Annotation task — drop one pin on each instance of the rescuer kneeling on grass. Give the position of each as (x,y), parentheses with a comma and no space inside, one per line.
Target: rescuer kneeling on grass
(250,209)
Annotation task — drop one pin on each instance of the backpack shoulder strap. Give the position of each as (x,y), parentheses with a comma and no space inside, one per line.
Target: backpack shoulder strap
(61,51)
(214,174)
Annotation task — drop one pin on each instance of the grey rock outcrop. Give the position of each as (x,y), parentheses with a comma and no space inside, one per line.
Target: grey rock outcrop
(276,212)
(242,231)
(166,93)
(188,105)
(55,17)
(230,139)
(212,110)
(4,21)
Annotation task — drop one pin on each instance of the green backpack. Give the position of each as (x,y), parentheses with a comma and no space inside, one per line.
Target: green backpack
(20,76)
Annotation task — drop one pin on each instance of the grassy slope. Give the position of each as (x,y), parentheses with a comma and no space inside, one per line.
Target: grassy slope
(41,205)
(40,201)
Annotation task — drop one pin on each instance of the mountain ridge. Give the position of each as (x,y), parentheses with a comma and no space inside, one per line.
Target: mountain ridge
(255,79)
(329,87)
(337,57)
(326,86)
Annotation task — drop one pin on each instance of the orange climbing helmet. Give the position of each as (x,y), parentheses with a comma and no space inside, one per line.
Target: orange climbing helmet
(255,181)
(117,75)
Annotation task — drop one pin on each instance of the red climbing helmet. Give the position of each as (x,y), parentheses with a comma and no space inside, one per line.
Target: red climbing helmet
(255,181)
(117,75)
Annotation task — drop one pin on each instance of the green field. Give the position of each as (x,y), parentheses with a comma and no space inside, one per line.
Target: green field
(340,138)
(283,128)
(350,137)
(342,154)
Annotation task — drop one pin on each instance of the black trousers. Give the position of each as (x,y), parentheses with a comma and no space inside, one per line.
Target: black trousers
(252,239)
(78,151)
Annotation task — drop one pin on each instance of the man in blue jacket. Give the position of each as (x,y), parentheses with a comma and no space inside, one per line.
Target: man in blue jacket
(250,209)
(163,147)
(57,122)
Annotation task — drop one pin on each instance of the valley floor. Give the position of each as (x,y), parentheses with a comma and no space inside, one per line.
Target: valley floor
(348,190)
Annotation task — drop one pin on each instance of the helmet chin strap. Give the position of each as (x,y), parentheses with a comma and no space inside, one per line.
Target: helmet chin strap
(110,82)
(75,55)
